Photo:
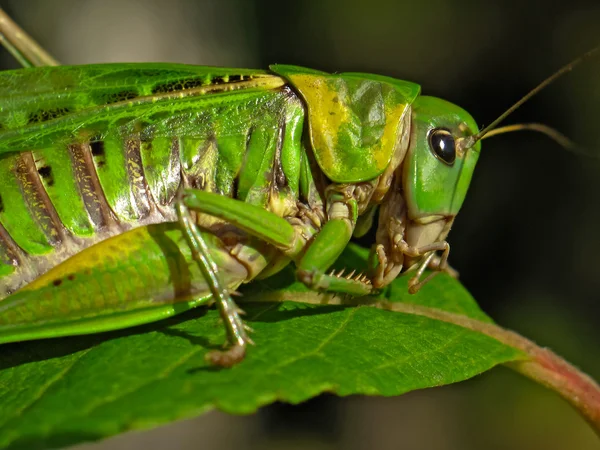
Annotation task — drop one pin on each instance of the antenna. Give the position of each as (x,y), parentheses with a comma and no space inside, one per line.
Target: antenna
(468,142)
(553,134)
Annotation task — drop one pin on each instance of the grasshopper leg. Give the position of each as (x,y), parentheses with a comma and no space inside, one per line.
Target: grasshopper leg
(329,243)
(428,251)
(230,313)
(322,252)
(253,219)
(436,264)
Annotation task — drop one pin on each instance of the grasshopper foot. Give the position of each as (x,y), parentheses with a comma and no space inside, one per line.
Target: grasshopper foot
(227,358)
(237,334)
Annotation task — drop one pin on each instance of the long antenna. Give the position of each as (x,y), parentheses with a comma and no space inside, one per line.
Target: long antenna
(469,141)
(553,134)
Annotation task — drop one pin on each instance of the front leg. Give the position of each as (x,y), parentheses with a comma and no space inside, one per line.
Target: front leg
(435,265)
(390,264)
(429,260)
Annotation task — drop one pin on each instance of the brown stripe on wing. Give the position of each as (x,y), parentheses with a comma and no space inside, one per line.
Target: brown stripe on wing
(135,172)
(175,171)
(10,252)
(90,188)
(38,202)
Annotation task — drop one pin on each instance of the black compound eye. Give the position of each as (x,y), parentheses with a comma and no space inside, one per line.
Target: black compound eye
(441,143)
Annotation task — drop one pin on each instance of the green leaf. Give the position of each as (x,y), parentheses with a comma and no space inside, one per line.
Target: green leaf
(64,391)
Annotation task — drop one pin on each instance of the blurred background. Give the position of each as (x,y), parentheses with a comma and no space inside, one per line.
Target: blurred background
(526,242)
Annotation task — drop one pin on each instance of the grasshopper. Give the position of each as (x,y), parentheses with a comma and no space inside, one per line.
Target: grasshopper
(132,192)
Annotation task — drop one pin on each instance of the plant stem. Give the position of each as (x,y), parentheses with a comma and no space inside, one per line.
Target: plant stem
(22,46)
(543,366)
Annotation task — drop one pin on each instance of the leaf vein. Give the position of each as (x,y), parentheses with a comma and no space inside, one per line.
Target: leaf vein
(161,376)
(413,356)
(316,351)
(45,387)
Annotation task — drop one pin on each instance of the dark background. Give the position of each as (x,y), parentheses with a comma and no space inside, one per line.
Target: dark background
(526,242)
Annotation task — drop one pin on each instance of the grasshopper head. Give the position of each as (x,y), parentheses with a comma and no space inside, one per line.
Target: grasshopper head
(436,172)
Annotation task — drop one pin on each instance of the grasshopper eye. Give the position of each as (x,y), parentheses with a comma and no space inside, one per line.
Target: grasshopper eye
(441,143)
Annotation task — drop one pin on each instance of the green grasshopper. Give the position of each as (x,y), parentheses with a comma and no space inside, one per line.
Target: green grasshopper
(132,192)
